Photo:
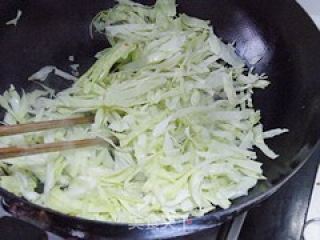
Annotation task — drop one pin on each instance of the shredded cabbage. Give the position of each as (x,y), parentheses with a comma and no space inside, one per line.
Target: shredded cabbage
(14,21)
(44,72)
(179,101)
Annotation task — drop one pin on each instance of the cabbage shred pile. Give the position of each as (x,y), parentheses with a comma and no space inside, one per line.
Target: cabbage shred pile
(179,102)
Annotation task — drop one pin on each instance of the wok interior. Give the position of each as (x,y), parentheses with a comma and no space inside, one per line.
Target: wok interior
(50,31)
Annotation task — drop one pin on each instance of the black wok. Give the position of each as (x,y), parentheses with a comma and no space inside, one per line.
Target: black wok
(279,31)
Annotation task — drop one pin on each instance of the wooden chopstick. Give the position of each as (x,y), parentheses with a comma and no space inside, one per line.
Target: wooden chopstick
(7,130)
(17,151)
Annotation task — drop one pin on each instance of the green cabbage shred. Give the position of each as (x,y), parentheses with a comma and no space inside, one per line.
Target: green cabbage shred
(178,100)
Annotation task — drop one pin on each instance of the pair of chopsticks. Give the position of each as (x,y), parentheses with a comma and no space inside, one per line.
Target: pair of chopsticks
(16,151)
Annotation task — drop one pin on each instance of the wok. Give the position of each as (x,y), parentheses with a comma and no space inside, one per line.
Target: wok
(279,33)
